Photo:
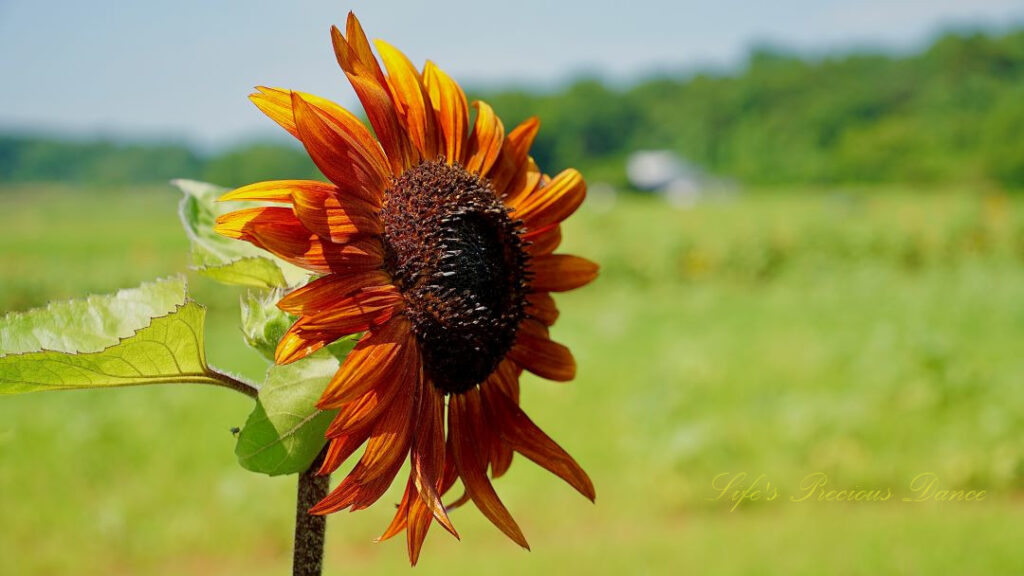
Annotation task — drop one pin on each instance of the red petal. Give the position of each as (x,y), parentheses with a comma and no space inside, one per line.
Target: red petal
(329,291)
(561,272)
(277,103)
(382,353)
(385,451)
(516,428)
(543,241)
(341,448)
(465,428)
(427,456)
(537,353)
(506,379)
(295,344)
(418,524)
(278,231)
(356,312)
(357,60)
(335,155)
(541,307)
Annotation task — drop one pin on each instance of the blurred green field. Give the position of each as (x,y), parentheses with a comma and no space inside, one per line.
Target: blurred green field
(872,335)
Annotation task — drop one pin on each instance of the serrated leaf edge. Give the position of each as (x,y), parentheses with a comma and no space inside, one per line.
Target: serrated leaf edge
(10,316)
(204,377)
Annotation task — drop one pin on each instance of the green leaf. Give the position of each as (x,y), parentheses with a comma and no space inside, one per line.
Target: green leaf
(286,430)
(167,350)
(227,260)
(258,272)
(91,324)
(340,348)
(263,323)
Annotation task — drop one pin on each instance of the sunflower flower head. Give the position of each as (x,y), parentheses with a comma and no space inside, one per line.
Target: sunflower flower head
(435,240)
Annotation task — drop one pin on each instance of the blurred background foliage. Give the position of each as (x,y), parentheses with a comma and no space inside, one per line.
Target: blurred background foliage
(856,308)
(952,113)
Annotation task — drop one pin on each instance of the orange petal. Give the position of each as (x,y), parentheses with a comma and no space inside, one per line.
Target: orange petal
(381,354)
(361,45)
(465,423)
(485,142)
(342,447)
(554,202)
(412,513)
(367,79)
(539,354)
(450,109)
(364,411)
(420,517)
(360,414)
(407,89)
(510,170)
(357,312)
(427,456)
(323,208)
(543,241)
(516,428)
(522,136)
(271,191)
(385,451)
(277,104)
(354,422)
(328,291)
(561,272)
(295,344)
(278,231)
(301,340)
(332,216)
(334,153)
(525,184)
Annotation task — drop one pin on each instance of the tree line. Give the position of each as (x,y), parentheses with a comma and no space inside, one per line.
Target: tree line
(953,112)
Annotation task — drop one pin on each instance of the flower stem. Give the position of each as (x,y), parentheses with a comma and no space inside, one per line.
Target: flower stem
(221,379)
(308,559)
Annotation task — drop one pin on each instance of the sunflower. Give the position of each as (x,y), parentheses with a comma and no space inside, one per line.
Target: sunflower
(434,240)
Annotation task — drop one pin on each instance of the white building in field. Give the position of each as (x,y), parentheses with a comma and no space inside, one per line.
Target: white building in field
(664,172)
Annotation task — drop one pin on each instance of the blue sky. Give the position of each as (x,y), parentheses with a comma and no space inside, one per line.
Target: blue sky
(183,68)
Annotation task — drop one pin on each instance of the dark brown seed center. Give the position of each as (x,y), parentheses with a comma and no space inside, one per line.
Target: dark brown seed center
(459,261)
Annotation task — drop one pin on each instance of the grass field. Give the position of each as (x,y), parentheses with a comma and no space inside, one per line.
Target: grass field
(868,335)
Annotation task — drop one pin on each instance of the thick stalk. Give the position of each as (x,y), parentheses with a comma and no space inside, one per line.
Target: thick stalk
(308,559)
